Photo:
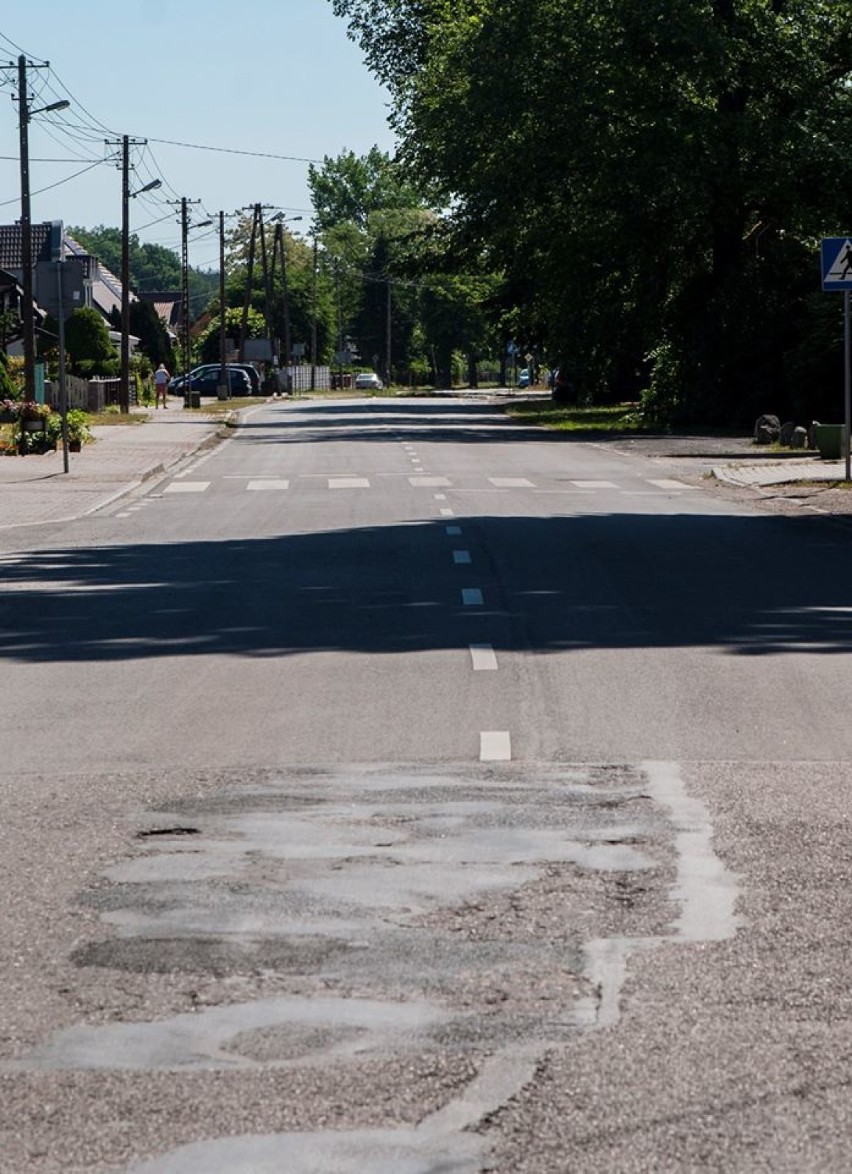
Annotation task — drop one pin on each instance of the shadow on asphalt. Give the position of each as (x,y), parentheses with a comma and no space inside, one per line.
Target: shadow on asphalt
(748,585)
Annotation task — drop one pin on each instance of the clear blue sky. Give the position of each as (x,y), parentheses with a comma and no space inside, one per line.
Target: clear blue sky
(267,76)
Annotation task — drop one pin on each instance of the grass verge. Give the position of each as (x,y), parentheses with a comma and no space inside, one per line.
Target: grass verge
(565,418)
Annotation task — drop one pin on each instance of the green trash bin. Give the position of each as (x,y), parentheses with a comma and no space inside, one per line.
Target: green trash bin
(831,441)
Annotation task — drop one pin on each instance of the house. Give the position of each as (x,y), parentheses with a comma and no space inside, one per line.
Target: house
(85,280)
(169,307)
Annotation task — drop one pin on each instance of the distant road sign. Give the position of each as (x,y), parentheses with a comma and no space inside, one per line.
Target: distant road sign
(837,263)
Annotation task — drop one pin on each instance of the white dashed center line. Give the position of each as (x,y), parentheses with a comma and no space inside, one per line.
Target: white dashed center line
(430,483)
(595,484)
(348,483)
(461,557)
(257,485)
(495,746)
(447,513)
(472,597)
(669,483)
(511,483)
(483,657)
(454,531)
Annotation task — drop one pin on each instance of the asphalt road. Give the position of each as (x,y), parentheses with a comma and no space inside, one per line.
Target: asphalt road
(395,789)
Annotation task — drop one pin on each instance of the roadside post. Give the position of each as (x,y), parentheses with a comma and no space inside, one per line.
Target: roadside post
(836,258)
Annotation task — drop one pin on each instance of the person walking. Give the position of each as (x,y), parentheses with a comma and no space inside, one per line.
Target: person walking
(161,381)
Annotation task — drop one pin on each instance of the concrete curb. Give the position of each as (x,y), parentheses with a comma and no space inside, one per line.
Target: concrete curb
(803,470)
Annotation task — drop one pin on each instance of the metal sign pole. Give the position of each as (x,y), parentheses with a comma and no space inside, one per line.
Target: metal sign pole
(847,364)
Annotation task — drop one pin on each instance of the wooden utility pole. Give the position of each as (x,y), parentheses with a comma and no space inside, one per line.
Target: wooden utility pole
(249,279)
(27,316)
(388,335)
(314,319)
(224,387)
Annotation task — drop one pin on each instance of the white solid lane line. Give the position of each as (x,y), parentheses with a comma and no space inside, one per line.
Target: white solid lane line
(495,746)
(483,657)
(461,558)
(472,597)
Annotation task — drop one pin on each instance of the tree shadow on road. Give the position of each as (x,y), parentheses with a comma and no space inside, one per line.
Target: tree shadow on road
(745,585)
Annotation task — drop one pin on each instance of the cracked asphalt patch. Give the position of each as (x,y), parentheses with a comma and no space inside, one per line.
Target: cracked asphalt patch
(332,927)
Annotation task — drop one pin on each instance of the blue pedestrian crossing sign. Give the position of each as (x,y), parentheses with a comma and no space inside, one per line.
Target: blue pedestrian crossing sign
(837,263)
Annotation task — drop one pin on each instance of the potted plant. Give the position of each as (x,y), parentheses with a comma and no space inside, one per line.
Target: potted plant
(79,432)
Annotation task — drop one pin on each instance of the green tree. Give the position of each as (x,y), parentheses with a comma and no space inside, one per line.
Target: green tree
(87,343)
(652,179)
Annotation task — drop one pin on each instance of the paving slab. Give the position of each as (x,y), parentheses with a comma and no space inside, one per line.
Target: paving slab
(781,472)
(36,489)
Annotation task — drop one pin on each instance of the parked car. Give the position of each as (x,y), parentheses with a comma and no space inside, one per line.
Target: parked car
(177,381)
(368,381)
(206,382)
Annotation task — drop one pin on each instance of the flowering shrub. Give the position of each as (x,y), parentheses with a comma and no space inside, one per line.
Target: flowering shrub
(15,438)
(25,409)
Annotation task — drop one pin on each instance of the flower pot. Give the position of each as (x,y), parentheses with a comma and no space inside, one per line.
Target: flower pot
(75,445)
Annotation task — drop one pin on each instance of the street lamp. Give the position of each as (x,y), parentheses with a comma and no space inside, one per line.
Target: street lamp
(27,316)
(126,197)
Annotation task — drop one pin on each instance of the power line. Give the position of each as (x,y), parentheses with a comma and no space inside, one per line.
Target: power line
(59,183)
(236,151)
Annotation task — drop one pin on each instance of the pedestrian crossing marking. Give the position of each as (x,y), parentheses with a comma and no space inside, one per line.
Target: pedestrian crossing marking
(187,487)
(495,746)
(259,484)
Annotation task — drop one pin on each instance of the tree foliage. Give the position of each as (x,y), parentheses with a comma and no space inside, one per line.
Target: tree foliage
(652,179)
(87,342)
(388,260)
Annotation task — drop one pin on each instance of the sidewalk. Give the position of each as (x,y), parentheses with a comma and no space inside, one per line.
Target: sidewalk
(34,489)
(787,471)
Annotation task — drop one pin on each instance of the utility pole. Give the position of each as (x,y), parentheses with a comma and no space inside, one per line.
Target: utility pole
(249,280)
(27,318)
(288,346)
(27,314)
(339,324)
(224,386)
(388,335)
(314,319)
(124,380)
(124,376)
(184,265)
